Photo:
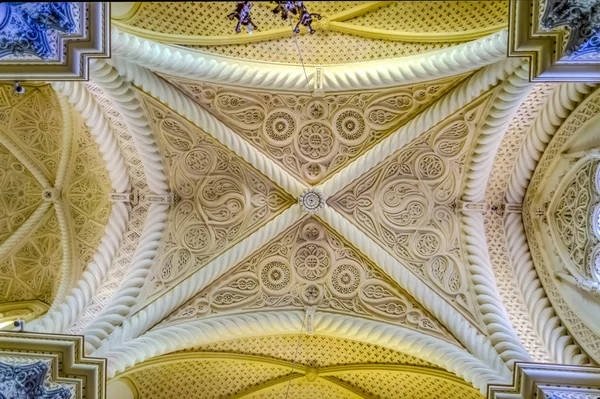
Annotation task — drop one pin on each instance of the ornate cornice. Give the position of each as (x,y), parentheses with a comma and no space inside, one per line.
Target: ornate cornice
(196,65)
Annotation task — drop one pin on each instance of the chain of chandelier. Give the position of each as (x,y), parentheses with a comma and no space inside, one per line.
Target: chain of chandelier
(284,8)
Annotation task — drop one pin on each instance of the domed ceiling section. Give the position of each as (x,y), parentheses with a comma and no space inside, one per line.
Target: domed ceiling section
(54,195)
(348,31)
(294,366)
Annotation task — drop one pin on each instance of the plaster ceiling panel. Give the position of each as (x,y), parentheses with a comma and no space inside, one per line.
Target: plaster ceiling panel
(313,350)
(20,194)
(310,137)
(408,205)
(88,186)
(348,31)
(203,379)
(310,265)
(391,384)
(304,388)
(34,266)
(220,199)
(34,124)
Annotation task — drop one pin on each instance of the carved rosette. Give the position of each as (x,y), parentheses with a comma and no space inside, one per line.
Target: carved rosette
(311,200)
(313,137)
(408,205)
(220,199)
(308,265)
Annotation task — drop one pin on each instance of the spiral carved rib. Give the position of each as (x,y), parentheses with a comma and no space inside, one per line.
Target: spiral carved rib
(210,67)
(564,99)
(85,103)
(450,103)
(127,295)
(475,342)
(455,60)
(503,337)
(125,98)
(180,103)
(555,337)
(508,99)
(65,314)
(164,305)
(180,336)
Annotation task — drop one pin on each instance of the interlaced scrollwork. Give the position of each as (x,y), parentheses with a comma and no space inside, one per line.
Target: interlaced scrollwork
(408,204)
(308,265)
(314,137)
(220,198)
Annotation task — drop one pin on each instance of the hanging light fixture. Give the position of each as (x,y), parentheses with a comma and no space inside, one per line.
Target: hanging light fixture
(285,8)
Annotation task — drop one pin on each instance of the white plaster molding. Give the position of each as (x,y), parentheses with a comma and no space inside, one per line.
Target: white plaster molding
(91,112)
(480,82)
(63,316)
(167,303)
(499,328)
(548,326)
(477,343)
(199,332)
(124,96)
(182,62)
(564,99)
(67,137)
(187,108)
(125,298)
(506,101)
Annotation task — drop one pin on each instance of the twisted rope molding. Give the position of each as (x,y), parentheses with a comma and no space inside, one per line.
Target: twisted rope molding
(199,332)
(63,316)
(170,301)
(563,100)
(126,297)
(476,343)
(209,67)
(481,160)
(555,337)
(180,103)
(500,330)
(60,204)
(100,128)
(548,326)
(125,99)
(447,105)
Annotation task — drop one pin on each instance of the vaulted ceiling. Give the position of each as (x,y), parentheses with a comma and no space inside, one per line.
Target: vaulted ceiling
(403,217)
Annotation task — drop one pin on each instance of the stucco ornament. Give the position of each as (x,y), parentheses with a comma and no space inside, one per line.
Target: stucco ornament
(34,29)
(582,17)
(28,381)
(312,200)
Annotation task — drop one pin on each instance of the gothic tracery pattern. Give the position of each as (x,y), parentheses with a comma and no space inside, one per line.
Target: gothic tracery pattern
(219,198)
(314,137)
(308,265)
(408,204)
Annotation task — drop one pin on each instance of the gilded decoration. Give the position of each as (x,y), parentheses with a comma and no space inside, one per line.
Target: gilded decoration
(220,199)
(310,137)
(408,205)
(310,266)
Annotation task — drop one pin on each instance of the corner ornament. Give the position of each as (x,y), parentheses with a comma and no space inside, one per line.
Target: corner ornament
(23,381)
(312,200)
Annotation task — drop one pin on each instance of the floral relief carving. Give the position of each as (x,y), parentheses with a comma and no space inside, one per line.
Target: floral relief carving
(220,199)
(32,270)
(87,194)
(314,137)
(309,265)
(34,121)
(408,205)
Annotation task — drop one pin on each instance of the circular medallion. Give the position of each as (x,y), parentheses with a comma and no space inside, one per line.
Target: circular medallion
(311,200)
(350,125)
(315,141)
(275,275)
(345,279)
(279,126)
(312,261)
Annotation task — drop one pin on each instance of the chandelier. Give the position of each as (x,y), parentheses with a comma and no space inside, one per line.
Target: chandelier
(285,8)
